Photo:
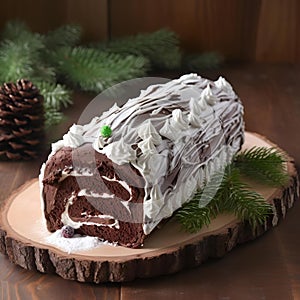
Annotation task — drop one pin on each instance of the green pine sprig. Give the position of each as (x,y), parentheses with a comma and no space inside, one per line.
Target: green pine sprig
(226,191)
(14,29)
(56,97)
(19,52)
(42,72)
(18,32)
(65,36)
(15,61)
(237,198)
(161,48)
(263,164)
(94,70)
(192,217)
(53,116)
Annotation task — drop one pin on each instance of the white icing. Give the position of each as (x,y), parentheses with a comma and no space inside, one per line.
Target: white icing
(75,137)
(165,142)
(180,194)
(154,203)
(65,218)
(119,152)
(208,97)
(222,83)
(148,132)
(169,131)
(189,78)
(41,177)
(179,121)
(224,86)
(147,146)
(195,111)
(126,205)
(195,107)
(114,109)
(58,145)
(100,142)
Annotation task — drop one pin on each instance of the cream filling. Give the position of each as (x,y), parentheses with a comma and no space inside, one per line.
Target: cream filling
(122,183)
(86,193)
(75,173)
(92,194)
(66,220)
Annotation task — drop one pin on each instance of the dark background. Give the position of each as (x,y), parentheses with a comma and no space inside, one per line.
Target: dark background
(242,30)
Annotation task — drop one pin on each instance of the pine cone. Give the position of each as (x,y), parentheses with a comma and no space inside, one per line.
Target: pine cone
(21,120)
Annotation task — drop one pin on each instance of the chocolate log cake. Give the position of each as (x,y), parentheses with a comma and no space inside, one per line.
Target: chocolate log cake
(119,176)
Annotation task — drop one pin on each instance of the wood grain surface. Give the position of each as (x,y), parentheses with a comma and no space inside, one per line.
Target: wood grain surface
(45,15)
(255,30)
(202,25)
(268,268)
(241,30)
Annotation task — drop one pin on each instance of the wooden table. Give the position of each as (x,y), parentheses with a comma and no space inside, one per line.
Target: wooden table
(268,268)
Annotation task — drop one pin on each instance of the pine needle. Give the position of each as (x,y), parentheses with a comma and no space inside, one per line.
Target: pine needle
(237,197)
(56,96)
(232,196)
(53,117)
(192,218)
(43,72)
(20,34)
(94,70)
(160,47)
(64,36)
(15,61)
(263,164)
(14,29)
(19,52)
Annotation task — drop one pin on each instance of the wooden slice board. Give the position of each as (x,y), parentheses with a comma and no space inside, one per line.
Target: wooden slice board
(166,250)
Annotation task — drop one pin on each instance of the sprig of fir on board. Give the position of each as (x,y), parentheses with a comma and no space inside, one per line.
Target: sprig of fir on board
(232,195)
(57,64)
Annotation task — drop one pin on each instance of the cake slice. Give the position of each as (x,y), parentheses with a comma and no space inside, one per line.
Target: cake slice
(119,176)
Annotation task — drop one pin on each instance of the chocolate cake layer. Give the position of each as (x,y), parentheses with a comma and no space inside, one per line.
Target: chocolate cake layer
(90,194)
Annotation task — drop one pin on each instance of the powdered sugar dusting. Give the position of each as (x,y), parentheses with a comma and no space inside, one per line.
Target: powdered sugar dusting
(76,243)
